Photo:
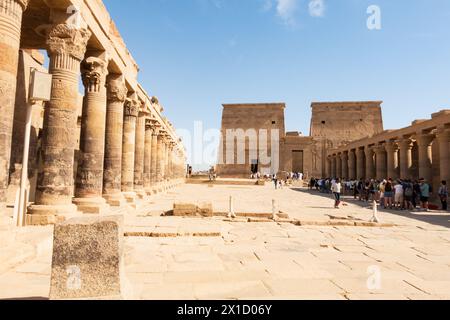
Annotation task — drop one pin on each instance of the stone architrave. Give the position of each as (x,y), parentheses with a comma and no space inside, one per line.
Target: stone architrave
(87,258)
(112,178)
(131,112)
(66,46)
(89,183)
(11,12)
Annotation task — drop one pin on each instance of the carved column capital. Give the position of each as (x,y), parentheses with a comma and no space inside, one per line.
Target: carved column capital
(116,89)
(93,72)
(391,146)
(424,140)
(68,39)
(405,144)
(23,3)
(131,108)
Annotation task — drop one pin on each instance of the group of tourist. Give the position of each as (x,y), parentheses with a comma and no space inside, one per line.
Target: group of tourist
(290,176)
(399,194)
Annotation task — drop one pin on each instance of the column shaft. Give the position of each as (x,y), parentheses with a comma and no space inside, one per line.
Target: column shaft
(424,142)
(444,154)
(392,160)
(112,178)
(55,187)
(352,165)
(89,182)
(128,147)
(139,155)
(10,30)
(406,162)
(360,164)
(370,168)
(148,156)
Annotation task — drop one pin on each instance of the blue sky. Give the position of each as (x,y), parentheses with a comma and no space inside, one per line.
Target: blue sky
(197,54)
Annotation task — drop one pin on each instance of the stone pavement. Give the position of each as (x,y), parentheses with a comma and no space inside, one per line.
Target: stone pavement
(241,260)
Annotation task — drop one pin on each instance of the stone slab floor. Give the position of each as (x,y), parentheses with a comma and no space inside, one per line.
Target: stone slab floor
(256,260)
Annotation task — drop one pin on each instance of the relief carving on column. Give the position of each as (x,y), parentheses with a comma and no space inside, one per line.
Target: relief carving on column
(117,90)
(93,72)
(131,108)
(68,39)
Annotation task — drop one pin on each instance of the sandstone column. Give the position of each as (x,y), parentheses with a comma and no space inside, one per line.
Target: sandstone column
(333,166)
(10,30)
(338,165)
(139,155)
(406,146)
(443,138)
(154,164)
(392,159)
(131,112)
(360,163)
(328,167)
(424,142)
(370,168)
(344,160)
(148,156)
(160,159)
(112,179)
(89,182)
(352,165)
(381,161)
(66,46)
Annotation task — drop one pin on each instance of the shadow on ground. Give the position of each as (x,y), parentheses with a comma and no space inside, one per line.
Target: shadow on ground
(441,219)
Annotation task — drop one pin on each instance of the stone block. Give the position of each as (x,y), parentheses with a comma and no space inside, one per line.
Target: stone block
(184,209)
(87,258)
(205,209)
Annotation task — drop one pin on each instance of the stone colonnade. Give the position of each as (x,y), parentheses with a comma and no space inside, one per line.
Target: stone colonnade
(419,151)
(126,149)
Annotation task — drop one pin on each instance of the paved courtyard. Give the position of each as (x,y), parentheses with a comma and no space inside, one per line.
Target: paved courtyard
(214,258)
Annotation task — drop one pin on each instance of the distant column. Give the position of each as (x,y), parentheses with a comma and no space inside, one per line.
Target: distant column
(10,31)
(443,138)
(112,178)
(370,168)
(328,167)
(139,155)
(360,161)
(406,146)
(344,160)
(392,159)
(148,156)
(352,165)
(381,161)
(131,112)
(424,142)
(154,162)
(338,165)
(160,159)
(89,182)
(333,166)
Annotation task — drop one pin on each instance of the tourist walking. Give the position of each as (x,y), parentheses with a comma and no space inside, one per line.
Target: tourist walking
(443,195)
(399,195)
(408,195)
(388,194)
(336,188)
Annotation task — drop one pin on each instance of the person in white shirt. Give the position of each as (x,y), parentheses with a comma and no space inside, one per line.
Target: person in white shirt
(398,197)
(336,188)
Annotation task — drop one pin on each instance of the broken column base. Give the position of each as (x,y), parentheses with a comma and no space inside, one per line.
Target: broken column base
(115,200)
(130,197)
(91,205)
(39,215)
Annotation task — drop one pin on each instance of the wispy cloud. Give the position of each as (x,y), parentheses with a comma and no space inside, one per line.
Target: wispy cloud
(316,8)
(286,11)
